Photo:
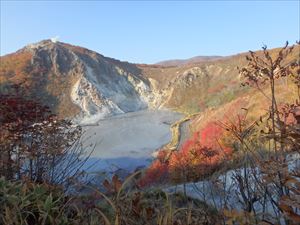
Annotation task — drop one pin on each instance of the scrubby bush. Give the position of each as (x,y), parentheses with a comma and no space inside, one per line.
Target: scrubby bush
(34,143)
(198,157)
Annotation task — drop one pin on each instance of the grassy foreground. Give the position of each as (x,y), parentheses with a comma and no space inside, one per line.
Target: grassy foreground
(30,203)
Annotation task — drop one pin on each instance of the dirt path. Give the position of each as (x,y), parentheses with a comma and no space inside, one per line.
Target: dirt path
(184,133)
(180,132)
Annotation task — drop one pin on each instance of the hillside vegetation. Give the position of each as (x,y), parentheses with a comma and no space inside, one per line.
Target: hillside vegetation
(52,71)
(242,159)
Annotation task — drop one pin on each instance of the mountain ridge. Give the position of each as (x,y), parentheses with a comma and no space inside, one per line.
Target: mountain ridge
(192,60)
(91,84)
(80,83)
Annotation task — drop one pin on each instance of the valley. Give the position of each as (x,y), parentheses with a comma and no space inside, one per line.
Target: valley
(194,130)
(131,110)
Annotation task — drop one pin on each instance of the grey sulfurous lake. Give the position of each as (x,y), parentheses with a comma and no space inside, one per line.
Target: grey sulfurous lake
(127,141)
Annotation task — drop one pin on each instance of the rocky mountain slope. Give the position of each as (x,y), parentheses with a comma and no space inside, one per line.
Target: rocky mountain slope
(77,82)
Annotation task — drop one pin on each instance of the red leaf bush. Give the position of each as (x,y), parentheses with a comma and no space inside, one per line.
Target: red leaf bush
(198,157)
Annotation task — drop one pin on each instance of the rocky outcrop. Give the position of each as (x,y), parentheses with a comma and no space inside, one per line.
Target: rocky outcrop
(100,86)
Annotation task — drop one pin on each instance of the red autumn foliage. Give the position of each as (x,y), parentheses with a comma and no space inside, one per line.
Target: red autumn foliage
(16,119)
(199,156)
(156,173)
(210,134)
(162,155)
(32,139)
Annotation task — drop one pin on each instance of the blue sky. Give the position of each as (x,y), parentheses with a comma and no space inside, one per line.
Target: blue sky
(148,32)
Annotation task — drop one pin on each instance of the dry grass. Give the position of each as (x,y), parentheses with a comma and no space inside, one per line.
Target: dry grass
(29,203)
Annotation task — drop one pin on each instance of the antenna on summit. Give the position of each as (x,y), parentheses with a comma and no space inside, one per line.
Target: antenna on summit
(54,39)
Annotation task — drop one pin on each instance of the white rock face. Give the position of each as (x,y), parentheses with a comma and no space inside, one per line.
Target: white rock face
(99,86)
(102,95)
(86,93)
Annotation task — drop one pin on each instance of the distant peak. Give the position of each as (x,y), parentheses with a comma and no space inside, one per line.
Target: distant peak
(39,44)
(196,59)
